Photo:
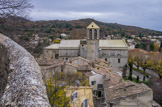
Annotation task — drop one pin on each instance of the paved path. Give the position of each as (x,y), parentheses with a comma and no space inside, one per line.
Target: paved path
(135,74)
(153,73)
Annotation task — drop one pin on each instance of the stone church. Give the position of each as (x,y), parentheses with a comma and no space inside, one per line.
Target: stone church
(115,52)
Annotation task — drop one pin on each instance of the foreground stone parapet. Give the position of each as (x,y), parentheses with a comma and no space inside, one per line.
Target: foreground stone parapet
(21,81)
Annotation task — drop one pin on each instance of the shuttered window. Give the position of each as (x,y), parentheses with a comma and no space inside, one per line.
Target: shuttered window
(85,103)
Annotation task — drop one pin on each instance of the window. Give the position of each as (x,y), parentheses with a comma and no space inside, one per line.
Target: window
(105,59)
(56,56)
(111,105)
(85,103)
(118,60)
(74,96)
(93,82)
(99,94)
(100,86)
(94,92)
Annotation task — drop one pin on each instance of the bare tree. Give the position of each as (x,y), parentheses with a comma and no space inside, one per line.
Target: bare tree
(14,7)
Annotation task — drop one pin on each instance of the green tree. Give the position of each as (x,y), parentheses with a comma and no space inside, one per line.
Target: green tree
(156,47)
(144,77)
(158,68)
(130,63)
(144,65)
(56,94)
(151,47)
(137,61)
(137,79)
(57,83)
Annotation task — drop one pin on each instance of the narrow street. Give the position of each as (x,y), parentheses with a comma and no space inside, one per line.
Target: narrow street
(151,72)
(135,74)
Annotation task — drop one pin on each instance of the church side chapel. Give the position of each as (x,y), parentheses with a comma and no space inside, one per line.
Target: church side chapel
(115,52)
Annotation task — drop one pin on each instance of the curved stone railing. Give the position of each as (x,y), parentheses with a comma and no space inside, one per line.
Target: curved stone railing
(21,81)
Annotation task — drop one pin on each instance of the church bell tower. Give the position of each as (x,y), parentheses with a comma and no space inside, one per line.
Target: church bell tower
(93,32)
(93,36)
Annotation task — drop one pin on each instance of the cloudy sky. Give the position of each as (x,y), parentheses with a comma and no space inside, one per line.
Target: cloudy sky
(141,13)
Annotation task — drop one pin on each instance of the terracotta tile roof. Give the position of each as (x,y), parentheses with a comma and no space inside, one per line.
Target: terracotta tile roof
(59,64)
(69,44)
(101,62)
(100,70)
(104,44)
(79,58)
(123,90)
(53,46)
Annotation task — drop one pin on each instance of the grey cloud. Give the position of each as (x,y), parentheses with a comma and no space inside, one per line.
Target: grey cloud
(142,13)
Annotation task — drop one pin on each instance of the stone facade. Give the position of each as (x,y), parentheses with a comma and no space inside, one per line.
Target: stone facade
(92,49)
(21,83)
(61,67)
(52,54)
(68,53)
(116,57)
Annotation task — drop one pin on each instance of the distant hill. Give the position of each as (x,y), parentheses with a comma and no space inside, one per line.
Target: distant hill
(75,28)
(21,30)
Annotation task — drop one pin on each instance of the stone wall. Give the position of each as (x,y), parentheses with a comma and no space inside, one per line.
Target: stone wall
(21,81)
(68,53)
(50,54)
(113,56)
(138,100)
(92,49)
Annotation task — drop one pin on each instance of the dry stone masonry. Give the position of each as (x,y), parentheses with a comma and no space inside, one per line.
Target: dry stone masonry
(21,81)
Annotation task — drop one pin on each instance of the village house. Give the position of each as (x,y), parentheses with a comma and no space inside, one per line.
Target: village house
(115,52)
(120,93)
(73,65)
(129,94)
(63,35)
(35,39)
(106,87)
(96,81)
(82,63)
(131,43)
(108,37)
(133,36)
(48,71)
(81,96)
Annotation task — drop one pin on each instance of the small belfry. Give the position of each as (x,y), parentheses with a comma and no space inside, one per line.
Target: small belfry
(93,32)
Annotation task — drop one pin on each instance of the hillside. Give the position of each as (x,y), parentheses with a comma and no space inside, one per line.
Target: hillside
(21,30)
(75,28)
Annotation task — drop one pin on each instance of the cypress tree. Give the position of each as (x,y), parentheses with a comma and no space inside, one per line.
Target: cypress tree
(137,79)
